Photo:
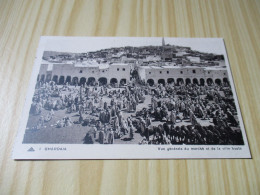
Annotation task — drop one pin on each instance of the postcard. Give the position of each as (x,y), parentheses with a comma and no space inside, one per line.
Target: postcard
(131,98)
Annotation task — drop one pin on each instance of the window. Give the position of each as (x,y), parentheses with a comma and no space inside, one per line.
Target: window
(149,72)
(208,72)
(123,69)
(103,71)
(224,73)
(160,72)
(194,71)
(181,72)
(167,72)
(80,71)
(92,71)
(117,69)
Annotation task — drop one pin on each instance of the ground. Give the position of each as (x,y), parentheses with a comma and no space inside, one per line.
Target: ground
(74,134)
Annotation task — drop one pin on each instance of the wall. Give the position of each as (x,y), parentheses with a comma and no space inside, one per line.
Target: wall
(118,71)
(165,73)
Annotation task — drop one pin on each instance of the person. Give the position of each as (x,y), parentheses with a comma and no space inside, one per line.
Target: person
(110,137)
(93,130)
(116,122)
(124,127)
(101,136)
(105,106)
(40,123)
(173,117)
(134,105)
(102,116)
(131,132)
(143,141)
(88,139)
(52,112)
(48,117)
(107,116)
(68,121)
(231,118)
(60,123)
(38,108)
(101,103)
(120,117)
(80,119)
(129,106)
(81,109)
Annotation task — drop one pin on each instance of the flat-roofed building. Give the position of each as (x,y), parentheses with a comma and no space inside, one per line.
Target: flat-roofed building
(84,72)
(182,75)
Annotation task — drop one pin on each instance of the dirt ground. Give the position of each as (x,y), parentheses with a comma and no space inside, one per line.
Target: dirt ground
(74,134)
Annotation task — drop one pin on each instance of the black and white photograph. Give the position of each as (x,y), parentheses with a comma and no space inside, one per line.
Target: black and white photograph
(173,95)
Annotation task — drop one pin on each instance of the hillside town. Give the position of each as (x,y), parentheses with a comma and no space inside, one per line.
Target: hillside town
(163,94)
(169,54)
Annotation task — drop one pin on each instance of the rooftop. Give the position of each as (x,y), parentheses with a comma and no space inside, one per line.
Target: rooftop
(119,64)
(184,67)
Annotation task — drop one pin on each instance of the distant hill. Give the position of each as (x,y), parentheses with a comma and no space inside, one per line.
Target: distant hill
(139,52)
(47,54)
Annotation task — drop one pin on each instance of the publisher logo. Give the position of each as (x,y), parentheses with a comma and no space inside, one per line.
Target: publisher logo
(31,149)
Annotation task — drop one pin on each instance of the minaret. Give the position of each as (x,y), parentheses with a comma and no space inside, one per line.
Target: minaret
(163,45)
(163,42)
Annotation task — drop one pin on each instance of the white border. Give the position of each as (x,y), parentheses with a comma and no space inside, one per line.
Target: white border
(122,151)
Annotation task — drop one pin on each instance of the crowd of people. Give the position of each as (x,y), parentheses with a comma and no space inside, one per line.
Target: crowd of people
(105,116)
(172,105)
(173,115)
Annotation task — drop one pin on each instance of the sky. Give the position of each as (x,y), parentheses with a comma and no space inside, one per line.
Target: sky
(86,44)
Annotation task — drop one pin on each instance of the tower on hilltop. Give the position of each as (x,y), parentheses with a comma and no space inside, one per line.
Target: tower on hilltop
(167,52)
(163,42)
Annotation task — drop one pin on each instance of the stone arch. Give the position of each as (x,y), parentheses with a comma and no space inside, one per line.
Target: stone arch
(122,81)
(48,77)
(68,79)
(180,81)
(91,81)
(187,81)
(75,80)
(55,78)
(61,80)
(195,81)
(225,80)
(150,82)
(170,80)
(82,81)
(161,81)
(102,81)
(202,82)
(218,81)
(209,81)
(42,77)
(113,81)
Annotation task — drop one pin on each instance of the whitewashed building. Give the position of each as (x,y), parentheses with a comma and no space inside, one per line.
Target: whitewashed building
(80,73)
(179,75)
